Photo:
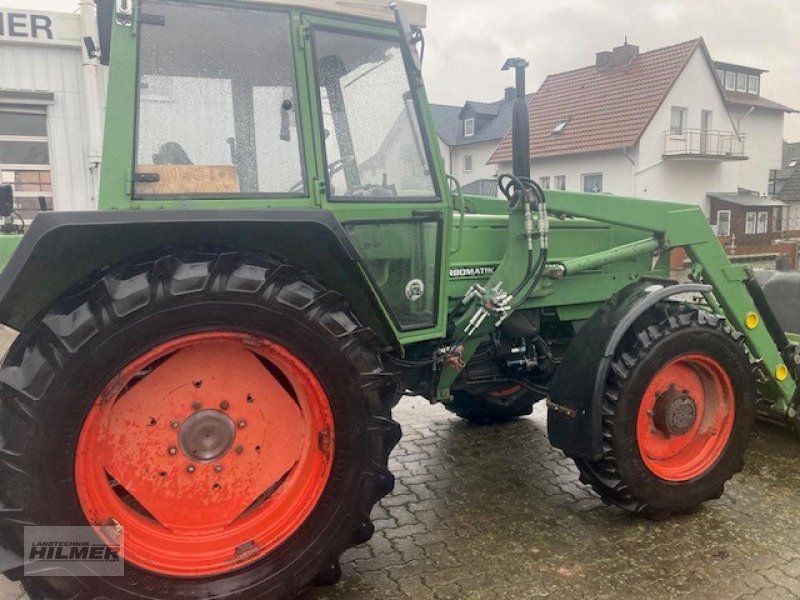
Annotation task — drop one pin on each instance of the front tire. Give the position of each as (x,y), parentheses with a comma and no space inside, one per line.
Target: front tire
(677,413)
(227,394)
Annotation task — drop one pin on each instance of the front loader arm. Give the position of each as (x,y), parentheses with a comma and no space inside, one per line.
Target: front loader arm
(665,225)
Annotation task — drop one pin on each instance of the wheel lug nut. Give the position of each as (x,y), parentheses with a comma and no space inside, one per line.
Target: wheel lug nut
(239,449)
(242,424)
(175,424)
(224,405)
(218,468)
(172,450)
(190,469)
(196,405)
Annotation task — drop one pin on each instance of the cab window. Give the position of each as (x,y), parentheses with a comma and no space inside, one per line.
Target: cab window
(373,144)
(216,103)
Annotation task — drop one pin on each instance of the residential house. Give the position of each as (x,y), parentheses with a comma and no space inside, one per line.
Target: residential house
(655,125)
(791,159)
(788,189)
(758,120)
(469,135)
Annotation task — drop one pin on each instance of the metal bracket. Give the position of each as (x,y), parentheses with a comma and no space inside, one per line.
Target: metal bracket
(124,13)
(569,412)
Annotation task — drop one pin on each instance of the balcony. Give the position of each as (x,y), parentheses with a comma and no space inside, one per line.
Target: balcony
(703,144)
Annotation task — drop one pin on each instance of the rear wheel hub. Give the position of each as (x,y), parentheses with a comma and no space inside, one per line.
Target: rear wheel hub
(207,436)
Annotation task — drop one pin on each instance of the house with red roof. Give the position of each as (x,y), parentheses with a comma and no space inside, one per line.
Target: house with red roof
(663,124)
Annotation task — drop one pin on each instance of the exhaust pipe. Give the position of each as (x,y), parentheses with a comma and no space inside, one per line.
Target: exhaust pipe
(521,129)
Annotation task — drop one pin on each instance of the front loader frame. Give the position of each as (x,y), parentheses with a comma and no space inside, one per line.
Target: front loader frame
(666,226)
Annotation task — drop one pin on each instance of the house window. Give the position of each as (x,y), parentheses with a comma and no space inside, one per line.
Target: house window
(741,82)
(763,222)
(752,84)
(750,223)
(560,182)
(25,158)
(730,81)
(545,183)
(677,120)
(468,163)
(469,127)
(723,222)
(593,183)
(721,76)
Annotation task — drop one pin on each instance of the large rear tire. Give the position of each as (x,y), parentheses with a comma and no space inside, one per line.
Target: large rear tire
(227,410)
(677,413)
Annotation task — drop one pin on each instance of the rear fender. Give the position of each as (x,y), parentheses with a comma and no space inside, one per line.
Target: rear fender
(576,392)
(62,248)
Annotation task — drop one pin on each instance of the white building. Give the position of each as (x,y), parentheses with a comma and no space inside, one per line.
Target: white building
(51,109)
(655,125)
(469,135)
(761,122)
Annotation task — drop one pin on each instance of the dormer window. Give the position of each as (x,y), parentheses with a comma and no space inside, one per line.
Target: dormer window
(739,79)
(741,82)
(562,125)
(469,127)
(730,81)
(752,84)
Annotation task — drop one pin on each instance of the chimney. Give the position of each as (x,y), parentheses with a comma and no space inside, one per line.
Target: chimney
(620,56)
(604,59)
(510,94)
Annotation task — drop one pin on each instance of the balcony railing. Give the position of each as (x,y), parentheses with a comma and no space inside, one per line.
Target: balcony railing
(704,144)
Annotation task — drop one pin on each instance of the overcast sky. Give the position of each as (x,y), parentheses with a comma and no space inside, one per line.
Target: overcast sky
(468,40)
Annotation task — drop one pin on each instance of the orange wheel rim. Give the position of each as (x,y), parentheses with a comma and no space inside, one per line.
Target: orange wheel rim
(210,451)
(686,418)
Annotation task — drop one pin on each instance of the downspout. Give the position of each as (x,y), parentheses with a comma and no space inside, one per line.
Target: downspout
(450,164)
(739,122)
(92,102)
(633,168)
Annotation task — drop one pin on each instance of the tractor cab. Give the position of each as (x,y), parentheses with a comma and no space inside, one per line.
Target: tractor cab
(310,105)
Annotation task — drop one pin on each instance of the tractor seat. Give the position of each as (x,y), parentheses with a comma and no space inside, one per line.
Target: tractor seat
(782,290)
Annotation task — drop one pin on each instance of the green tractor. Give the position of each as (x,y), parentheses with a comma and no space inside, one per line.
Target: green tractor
(208,364)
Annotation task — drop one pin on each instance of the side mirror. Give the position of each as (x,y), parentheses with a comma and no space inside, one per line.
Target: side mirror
(6,200)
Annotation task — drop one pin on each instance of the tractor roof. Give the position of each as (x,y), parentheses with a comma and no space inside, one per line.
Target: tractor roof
(413,12)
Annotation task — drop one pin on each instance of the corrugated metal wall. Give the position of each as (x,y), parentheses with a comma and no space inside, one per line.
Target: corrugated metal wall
(57,70)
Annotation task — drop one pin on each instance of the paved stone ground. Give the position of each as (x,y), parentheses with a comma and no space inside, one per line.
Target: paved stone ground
(495,513)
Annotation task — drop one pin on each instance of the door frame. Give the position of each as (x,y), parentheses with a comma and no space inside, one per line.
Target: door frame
(376,211)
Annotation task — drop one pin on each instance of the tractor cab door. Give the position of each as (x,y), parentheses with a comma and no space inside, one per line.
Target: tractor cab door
(380,167)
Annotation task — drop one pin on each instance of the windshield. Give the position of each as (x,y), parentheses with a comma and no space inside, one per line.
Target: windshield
(373,142)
